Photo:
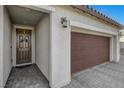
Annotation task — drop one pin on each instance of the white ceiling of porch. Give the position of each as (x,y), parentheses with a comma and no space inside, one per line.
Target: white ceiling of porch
(24,16)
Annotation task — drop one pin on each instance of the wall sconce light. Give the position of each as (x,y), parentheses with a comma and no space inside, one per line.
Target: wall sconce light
(64,22)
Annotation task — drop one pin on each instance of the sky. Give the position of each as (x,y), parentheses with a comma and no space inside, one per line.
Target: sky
(115,12)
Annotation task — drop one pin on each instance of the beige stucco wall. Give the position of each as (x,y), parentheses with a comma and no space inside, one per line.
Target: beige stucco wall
(81,30)
(60,42)
(1,46)
(122,42)
(5,46)
(122,38)
(43,45)
(73,15)
(7,52)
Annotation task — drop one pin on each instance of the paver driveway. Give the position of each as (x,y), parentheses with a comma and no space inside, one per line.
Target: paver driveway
(108,75)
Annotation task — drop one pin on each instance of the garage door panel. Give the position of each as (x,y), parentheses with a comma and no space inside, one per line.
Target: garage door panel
(88,50)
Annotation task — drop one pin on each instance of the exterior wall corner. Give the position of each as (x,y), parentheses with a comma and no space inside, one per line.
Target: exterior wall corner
(1,46)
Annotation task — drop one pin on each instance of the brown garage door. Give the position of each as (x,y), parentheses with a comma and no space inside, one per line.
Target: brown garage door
(88,50)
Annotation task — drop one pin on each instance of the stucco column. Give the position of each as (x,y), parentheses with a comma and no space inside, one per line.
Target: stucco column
(116,48)
(60,74)
(111,49)
(1,46)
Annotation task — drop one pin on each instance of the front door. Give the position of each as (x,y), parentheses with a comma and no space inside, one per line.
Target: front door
(23,46)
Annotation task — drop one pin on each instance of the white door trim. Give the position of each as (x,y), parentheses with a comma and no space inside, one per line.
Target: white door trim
(14,44)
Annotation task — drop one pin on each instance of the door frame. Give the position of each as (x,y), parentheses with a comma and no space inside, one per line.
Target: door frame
(14,44)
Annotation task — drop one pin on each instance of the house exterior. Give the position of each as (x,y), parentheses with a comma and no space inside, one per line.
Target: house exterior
(60,40)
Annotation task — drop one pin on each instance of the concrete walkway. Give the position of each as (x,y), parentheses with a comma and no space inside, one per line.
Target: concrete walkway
(27,77)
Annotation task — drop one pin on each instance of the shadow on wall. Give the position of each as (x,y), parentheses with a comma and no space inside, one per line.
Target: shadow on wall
(122,46)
